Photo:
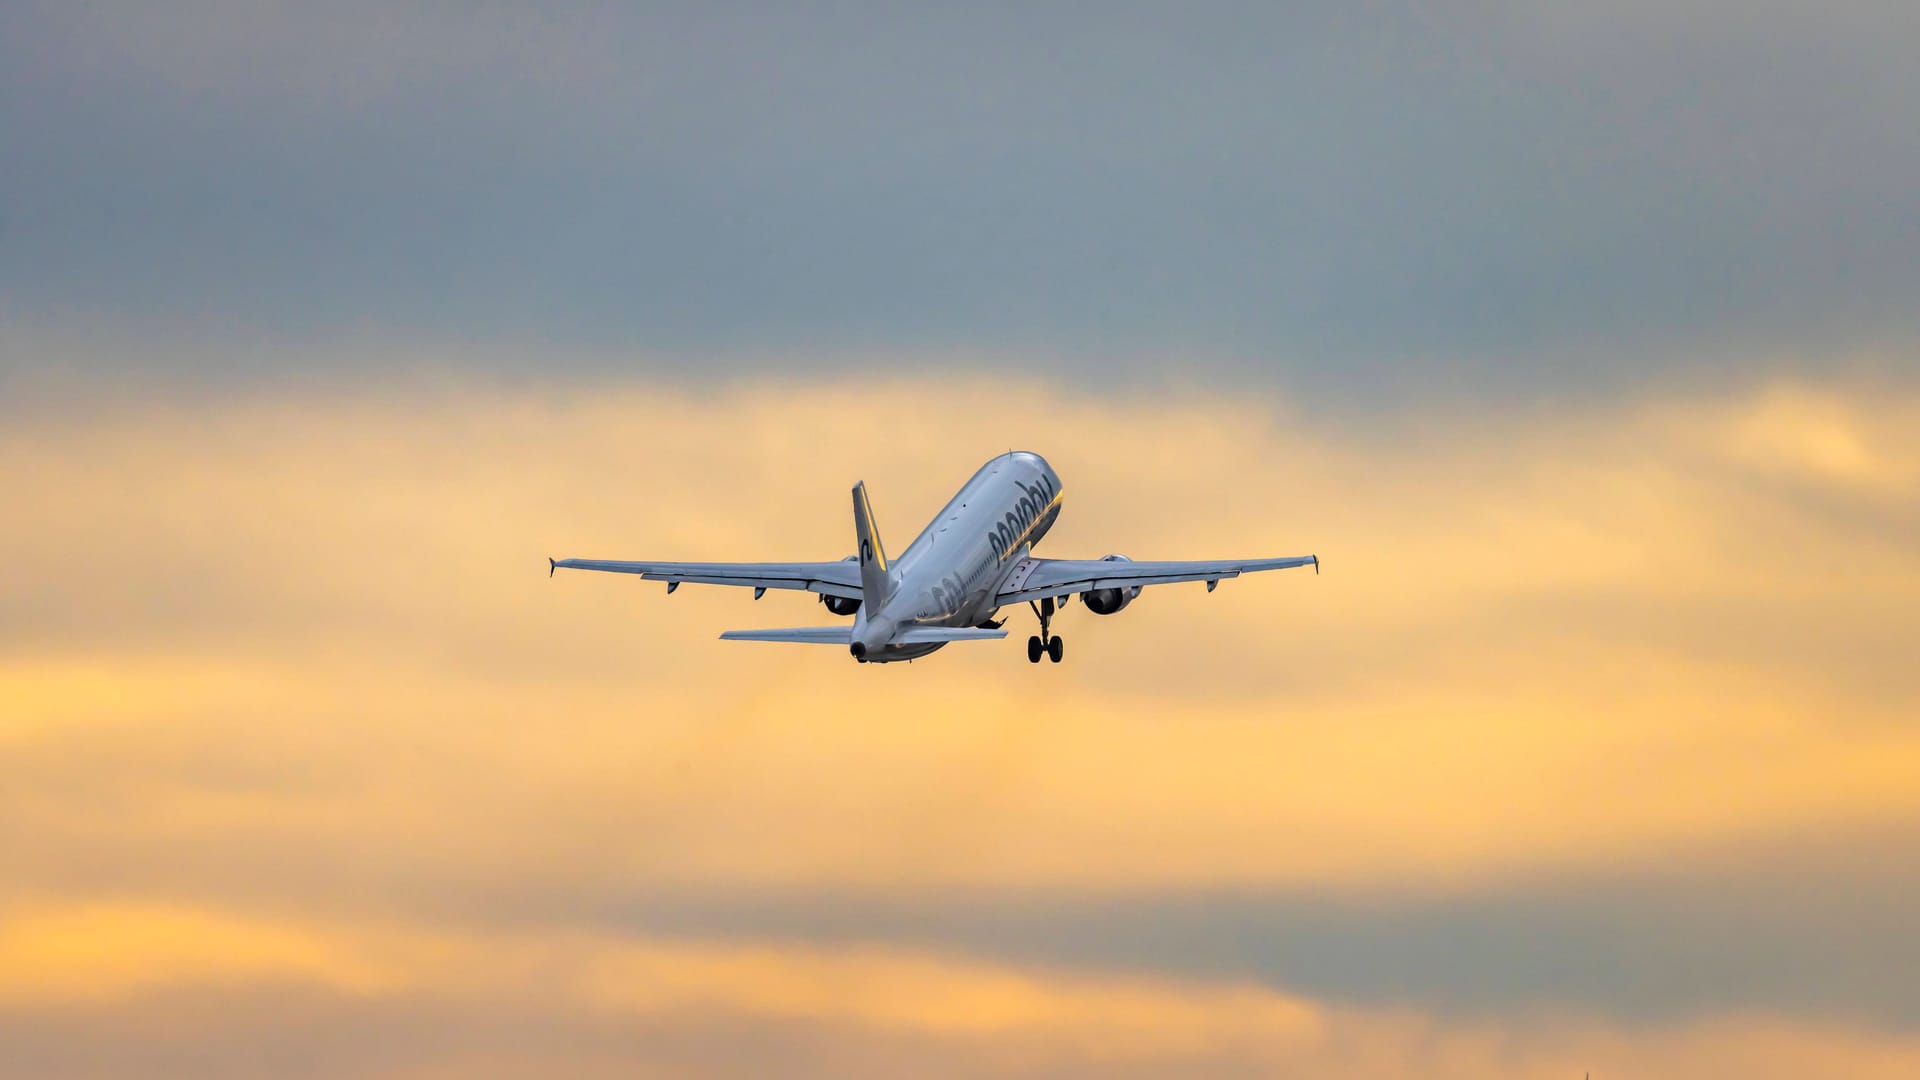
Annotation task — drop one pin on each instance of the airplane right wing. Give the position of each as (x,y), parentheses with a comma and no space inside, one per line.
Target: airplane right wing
(841,579)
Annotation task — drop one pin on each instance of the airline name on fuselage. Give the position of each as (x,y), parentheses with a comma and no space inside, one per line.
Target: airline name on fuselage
(1002,540)
(1018,522)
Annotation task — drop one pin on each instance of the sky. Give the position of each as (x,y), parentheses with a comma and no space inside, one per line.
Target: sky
(1578,342)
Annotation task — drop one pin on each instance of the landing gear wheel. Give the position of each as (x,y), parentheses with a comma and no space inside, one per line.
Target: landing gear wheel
(1044,642)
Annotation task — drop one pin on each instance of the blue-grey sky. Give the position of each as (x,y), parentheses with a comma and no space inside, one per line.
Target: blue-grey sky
(1342,195)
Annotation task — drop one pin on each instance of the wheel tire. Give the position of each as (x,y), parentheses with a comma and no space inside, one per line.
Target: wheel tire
(1034,649)
(1056,649)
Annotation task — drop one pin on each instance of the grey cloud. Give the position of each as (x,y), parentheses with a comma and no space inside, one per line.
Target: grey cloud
(1815,927)
(1341,198)
(1812,925)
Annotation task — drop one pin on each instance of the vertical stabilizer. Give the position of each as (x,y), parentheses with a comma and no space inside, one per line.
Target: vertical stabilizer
(875,582)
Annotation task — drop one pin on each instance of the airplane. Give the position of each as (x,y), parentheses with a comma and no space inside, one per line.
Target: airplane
(973,559)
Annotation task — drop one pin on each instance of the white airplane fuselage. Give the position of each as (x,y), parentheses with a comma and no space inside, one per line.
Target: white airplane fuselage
(951,573)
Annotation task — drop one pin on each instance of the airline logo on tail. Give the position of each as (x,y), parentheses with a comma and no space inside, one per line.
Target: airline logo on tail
(875,585)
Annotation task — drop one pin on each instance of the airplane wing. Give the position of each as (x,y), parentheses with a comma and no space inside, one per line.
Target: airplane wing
(840,579)
(1035,579)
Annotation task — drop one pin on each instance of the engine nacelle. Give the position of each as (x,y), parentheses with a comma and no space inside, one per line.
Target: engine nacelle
(1109,601)
(842,605)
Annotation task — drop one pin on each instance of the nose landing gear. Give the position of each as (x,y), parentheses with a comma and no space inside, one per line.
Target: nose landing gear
(1045,641)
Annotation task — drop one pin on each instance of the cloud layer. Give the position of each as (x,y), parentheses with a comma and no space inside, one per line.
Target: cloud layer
(1496,196)
(1579,344)
(1592,748)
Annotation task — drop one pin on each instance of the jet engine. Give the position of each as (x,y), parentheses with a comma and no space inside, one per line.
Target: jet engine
(842,605)
(1108,601)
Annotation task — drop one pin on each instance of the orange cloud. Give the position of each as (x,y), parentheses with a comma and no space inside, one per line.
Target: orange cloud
(103,961)
(97,952)
(360,586)
(303,658)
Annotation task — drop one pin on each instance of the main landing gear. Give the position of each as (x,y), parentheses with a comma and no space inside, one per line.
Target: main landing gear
(1044,642)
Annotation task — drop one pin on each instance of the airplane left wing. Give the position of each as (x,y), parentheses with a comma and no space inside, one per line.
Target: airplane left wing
(1036,579)
(840,579)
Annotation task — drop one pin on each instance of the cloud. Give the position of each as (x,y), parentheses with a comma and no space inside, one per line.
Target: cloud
(1810,925)
(516,1004)
(1576,685)
(87,954)
(1593,747)
(1498,200)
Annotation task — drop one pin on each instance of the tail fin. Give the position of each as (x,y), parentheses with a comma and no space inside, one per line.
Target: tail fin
(875,582)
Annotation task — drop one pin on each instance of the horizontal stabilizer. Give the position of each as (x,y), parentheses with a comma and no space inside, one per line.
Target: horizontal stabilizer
(801,635)
(843,635)
(927,635)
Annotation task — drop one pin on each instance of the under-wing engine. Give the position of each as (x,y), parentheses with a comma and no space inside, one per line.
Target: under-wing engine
(1108,601)
(842,605)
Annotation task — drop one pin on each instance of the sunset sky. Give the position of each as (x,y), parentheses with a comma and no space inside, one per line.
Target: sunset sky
(1580,343)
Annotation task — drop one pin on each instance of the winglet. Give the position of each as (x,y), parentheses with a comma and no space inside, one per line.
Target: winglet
(1316,566)
(549,566)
